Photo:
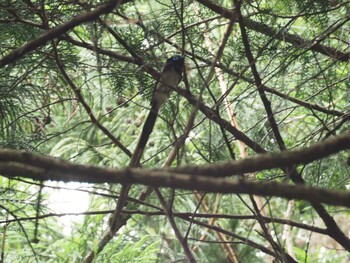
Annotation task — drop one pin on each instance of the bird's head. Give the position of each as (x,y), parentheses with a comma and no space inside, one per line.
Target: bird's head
(176,62)
(176,59)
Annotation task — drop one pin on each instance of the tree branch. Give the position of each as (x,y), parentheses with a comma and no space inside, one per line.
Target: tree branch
(333,229)
(86,106)
(183,215)
(295,40)
(57,31)
(94,174)
(154,178)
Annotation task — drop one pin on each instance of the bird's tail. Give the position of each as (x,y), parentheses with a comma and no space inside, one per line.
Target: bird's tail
(146,132)
(135,161)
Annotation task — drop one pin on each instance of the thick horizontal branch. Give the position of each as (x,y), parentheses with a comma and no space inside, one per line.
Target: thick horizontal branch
(18,163)
(57,31)
(272,160)
(181,181)
(103,175)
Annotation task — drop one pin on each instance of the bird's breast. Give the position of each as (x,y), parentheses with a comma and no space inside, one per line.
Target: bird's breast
(167,81)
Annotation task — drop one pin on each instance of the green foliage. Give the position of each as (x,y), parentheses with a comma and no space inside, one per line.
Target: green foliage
(42,113)
(126,251)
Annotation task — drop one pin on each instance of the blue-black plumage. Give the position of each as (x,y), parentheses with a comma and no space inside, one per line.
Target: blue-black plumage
(170,77)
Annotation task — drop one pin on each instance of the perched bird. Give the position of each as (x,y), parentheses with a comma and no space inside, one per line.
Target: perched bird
(170,77)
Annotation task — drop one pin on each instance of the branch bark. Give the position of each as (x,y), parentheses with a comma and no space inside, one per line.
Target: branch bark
(333,229)
(179,181)
(92,174)
(57,31)
(293,39)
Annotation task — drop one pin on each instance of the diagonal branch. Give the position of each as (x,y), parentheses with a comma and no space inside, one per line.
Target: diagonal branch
(293,39)
(258,82)
(57,31)
(333,230)
(251,81)
(169,213)
(86,106)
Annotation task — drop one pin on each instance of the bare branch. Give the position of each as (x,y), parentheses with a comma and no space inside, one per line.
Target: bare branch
(93,174)
(19,163)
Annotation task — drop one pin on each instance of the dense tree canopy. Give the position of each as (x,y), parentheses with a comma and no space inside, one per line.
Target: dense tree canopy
(248,159)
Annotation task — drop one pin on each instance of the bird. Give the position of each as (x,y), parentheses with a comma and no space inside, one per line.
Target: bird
(170,77)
